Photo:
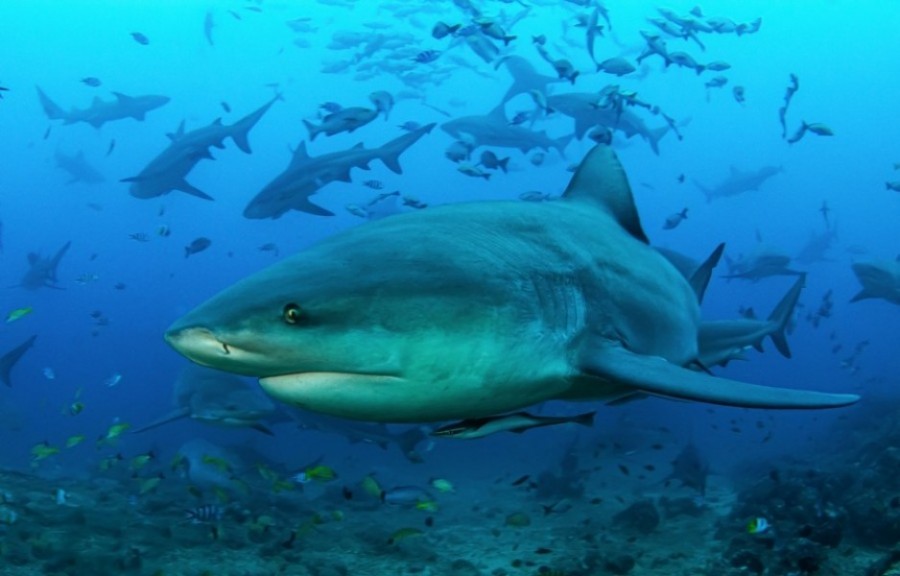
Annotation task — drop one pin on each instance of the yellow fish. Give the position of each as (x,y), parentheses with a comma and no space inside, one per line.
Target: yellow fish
(18,313)
(427,506)
(74,441)
(321,473)
(442,485)
(217,462)
(402,534)
(150,484)
(116,430)
(43,451)
(139,462)
(371,487)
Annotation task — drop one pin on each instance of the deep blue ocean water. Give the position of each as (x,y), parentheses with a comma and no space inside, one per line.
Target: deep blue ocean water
(844,54)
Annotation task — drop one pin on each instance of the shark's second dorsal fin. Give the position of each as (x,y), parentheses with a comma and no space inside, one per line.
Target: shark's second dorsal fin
(601,181)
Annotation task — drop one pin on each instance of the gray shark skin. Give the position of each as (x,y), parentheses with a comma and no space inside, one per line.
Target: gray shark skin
(738,181)
(690,469)
(217,398)
(100,112)
(305,175)
(168,171)
(721,341)
(472,310)
(42,271)
(78,168)
(11,358)
(356,432)
(817,248)
(582,107)
(494,130)
(525,77)
(879,280)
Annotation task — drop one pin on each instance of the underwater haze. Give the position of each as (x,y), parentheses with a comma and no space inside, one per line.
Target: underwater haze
(157,153)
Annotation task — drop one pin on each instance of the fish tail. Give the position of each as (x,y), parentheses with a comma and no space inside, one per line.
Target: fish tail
(312,128)
(781,316)
(51,109)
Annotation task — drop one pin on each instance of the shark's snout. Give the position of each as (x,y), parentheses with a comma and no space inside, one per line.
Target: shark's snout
(199,344)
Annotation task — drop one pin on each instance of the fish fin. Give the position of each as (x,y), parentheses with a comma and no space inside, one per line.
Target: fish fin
(173,136)
(177,414)
(312,128)
(390,153)
(9,360)
(654,136)
(655,375)
(781,316)
(189,188)
(560,145)
(863,294)
(51,109)
(304,205)
(300,154)
(699,280)
(601,181)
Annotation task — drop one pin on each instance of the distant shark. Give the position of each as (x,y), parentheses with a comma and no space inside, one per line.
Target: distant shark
(78,168)
(494,130)
(11,358)
(765,262)
(168,171)
(583,108)
(100,111)
(879,280)
(306,174)
(473,310)
(525,78)
(738,181)
(217,398)
(355,432)
(42,271)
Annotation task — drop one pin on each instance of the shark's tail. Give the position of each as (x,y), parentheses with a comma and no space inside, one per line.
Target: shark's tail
(51,109)
(781,316)
(707,191)
(561,143)
(55,262)
(390,152)
(241,128)
(312,128)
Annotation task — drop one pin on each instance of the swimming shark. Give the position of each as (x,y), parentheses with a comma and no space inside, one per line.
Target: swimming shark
(169,169)
(738,181)
(11,358)
(306,174)
(473,310)
(879,279)
(218,398)
(763,263)
(721,341)
(370,433)
(584,108)
(493,129)
(525,78)
(42,271)
(101,111)
(78,168)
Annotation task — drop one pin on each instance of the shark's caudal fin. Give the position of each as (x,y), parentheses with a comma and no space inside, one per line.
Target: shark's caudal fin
(781,316)
(699,280)
(654,375)
(654,136)
(312,129)
(601,181)
(241,128)
(390,152)
(9,360)
(52,111)
(525,77)
(54,263)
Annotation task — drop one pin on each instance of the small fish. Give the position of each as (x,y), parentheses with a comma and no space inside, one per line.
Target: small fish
(150,484)
(76,408)
(5,89)
(473,171)
(18,313)
(818,129)
(331,107)
(216,462)
(116,430)
(113,380)
(91,81)
(535,196)
(442,485)
(320,473)
(373,184)
(491,161)
(673,220)
(140,38)
(225,106)
(442,30)
(269,247)
(43,451)
(49,373)
(139,237)
(537,158)
(517,422)
(73,441)
(383,102)
(565,70)
(409,126)
(403,533)
(521,480)
(427,506)
(624,470)
(427,56)
(758,525)
(739,94)
(205,513)
(197,245)
(141,460)
(370,486)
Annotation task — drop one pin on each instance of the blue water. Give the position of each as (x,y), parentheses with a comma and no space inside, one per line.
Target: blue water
(844,54)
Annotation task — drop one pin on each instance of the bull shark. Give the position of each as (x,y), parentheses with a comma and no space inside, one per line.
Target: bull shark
(355,432)
(525,78)
(42,271)
(721,341)
(765,262)
(217,398)
(102,111)
(78,168)
(168,171)
(306,174)
(473,310)
(11,358)
(879,280)
(583,108)
(738,181)
(494,130)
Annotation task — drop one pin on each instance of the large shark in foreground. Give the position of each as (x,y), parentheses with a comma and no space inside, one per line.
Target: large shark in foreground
(880,279)
(473,310)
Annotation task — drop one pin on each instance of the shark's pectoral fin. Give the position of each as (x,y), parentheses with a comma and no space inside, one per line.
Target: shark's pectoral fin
(655,375)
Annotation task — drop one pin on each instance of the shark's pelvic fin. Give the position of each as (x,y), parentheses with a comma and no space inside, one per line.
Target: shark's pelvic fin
(655,375)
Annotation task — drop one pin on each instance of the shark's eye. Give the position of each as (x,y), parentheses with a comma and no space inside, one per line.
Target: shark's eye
(291,313)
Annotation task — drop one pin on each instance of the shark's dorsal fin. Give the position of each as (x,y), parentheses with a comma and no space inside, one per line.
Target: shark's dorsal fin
(600,180)
(498,114)
(300,154)
(173,136)
(122,97)
(699,280)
